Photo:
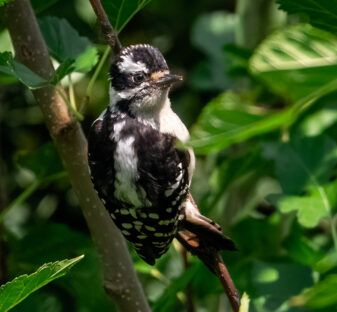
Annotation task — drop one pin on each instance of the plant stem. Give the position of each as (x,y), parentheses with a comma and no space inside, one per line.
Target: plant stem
(97,71)
(256,18)
(30,190)
(72,95)
(21,198)
(60,91)
(332,222)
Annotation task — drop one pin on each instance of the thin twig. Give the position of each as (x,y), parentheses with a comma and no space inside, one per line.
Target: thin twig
(109,33)
(227,283)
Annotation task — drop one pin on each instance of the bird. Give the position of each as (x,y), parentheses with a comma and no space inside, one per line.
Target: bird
(140,175)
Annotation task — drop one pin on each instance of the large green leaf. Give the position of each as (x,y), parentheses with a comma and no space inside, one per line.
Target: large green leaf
(20,71)
(300,248)
(66,44)
(32,80)
(227,119)
(296,61)
(17,290)
(321,13)
(120,12)
(306,164)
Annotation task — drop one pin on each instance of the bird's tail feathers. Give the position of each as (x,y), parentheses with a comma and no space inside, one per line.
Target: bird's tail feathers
(200,235)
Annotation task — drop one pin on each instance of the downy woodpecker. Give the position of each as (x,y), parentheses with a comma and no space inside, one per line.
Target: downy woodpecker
(140,176)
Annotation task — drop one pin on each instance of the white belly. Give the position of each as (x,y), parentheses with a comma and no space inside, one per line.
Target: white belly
(170,123)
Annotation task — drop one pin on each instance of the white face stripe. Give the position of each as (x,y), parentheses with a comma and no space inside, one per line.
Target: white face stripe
(128,65)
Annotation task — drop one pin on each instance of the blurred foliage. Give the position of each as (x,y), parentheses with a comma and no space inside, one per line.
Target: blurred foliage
(263,123)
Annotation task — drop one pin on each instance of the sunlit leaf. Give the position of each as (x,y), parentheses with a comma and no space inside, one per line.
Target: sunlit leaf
(9,66)
(120,12)
(17,290)
(227,119)
(296,61)
(321,13)
(310,209)
(87,60)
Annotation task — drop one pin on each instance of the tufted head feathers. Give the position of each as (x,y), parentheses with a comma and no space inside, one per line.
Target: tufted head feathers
(140,80)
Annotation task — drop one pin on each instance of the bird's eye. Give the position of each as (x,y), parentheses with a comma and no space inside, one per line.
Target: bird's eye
(138,77)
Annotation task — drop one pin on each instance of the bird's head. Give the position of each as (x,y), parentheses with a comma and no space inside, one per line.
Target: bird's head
(140,80)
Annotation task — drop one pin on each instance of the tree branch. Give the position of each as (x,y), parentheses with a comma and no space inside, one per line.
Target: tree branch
(108,32)
(67,134)
(222,273)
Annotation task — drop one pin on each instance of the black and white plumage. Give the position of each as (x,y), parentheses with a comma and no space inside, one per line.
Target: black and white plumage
(142,179)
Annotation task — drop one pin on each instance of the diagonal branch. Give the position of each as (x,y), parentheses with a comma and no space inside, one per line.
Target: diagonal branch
(223,275)
(109,33)
(31,50)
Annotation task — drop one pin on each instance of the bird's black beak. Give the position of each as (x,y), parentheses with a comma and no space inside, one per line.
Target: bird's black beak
(168,80)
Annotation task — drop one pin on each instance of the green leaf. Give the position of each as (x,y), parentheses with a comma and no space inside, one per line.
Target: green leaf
(63,242)
(300,249)
(63,70)
(322,295)
(321,13)
(305,162)
(3,2)
(310,209)
(66,44)
(278,281)
(41,5)
(17,290)
(9,66)
(296,61)
(327,263)
(62,39)
(87,60)
(227,119)
(120,12)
